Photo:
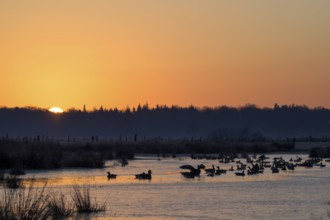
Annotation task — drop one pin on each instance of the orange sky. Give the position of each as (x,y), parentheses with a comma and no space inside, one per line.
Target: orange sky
(69,53)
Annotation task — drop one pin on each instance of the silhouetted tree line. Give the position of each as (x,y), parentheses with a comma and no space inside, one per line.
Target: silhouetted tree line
(142,123)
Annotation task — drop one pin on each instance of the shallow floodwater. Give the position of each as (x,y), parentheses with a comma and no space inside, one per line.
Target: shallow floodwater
(300,194)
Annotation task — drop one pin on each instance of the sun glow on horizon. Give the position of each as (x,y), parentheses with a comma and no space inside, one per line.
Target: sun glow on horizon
(56,110)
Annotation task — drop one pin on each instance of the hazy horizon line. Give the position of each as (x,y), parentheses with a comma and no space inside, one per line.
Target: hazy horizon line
(147,106)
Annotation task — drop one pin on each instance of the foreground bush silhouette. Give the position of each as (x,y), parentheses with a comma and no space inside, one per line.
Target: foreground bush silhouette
(13,182)
(59,207)
(34,203)
(2,174)
(83,202)
(24,203)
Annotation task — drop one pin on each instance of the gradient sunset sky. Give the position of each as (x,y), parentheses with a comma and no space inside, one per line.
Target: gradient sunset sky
(68,53)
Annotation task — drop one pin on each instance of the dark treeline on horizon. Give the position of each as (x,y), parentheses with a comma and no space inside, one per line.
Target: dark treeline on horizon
(142,122)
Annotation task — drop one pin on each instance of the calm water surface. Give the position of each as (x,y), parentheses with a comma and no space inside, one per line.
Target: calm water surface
(300,194)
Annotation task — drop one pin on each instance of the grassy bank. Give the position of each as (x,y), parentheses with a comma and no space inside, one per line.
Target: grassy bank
(18,155)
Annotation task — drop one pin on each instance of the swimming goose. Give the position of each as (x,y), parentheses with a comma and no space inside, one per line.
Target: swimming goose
(111,176)
(220,171)
(240,173)
(210,170)
(144,176)
(193,171)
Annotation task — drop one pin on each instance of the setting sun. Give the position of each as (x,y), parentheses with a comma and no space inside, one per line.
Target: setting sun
(56,110)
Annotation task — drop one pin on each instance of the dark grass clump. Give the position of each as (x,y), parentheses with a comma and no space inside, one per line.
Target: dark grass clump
(34,203)
(319,152)
(2,175)
(59,207)
(13,182)
(24,203)
(83,202)
(84,159)
(17,171)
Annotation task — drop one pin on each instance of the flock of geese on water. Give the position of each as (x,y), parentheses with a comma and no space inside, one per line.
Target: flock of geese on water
(141,176)
(251,167)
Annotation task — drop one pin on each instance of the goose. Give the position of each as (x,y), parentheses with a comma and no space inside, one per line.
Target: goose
(290,166)
(210,170)
(144,176)
(188,174)
(111,176)
(319,164)
(219,171)
(193,171)
(240,173)
(275,169)
(201,166)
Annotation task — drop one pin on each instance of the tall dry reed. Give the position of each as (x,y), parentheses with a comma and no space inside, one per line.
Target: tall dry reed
(24,203)
(32,203)
(83,202)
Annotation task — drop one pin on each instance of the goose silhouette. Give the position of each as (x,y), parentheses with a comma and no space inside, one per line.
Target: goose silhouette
(219,171)
(111,176)
(193,171)
(240,173)
(144,176)
(188,174)
(210,170)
